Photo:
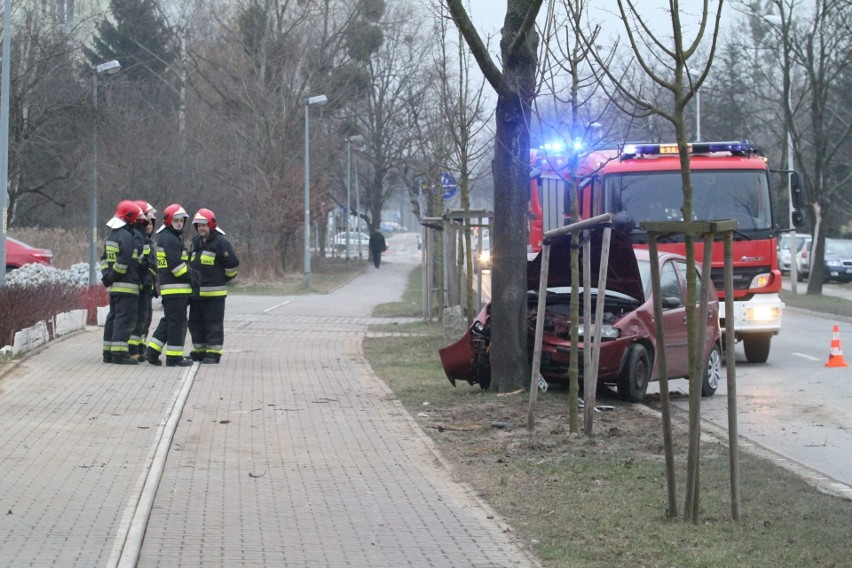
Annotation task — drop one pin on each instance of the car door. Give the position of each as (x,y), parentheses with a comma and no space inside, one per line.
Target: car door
(674,319)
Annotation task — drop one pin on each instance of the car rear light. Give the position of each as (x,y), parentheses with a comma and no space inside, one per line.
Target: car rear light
(45,256)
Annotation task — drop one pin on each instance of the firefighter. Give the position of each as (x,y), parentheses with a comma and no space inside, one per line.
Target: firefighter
(214,263)
(119,273)
(175,288)
(147,267)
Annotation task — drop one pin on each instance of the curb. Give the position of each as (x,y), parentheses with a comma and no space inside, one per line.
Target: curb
(815,479)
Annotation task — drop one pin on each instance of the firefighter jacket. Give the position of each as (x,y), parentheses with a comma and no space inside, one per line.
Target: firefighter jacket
(119,262)
(214,263)
(147,262)
(172,267)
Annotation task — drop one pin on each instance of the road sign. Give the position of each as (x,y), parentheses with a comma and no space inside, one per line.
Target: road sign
(449,187)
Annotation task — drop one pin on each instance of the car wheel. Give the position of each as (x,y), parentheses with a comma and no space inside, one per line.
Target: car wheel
(756,347)
(712,372)
(800,276)
(633,381)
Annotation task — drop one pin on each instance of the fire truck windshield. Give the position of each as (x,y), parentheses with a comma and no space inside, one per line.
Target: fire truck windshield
(742,195)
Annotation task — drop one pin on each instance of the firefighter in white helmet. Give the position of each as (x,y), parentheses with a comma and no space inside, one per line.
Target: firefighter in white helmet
(175,289)
(214,263)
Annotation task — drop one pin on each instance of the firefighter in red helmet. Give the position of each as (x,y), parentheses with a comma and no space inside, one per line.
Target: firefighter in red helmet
(120,274)
(175,288)
(147,267)
(214,263)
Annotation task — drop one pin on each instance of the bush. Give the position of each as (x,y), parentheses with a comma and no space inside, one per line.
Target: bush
(36,292)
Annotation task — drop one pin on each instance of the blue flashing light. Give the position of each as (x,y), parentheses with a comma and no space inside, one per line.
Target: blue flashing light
(554,147)
(736,147)
(578,144)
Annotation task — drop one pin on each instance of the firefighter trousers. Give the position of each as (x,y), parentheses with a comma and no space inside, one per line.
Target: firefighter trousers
(119,325)
(170,334)
(143,323)
(207,327)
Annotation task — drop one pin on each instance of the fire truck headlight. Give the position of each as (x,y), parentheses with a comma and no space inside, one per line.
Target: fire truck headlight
(762,313)
(761,280)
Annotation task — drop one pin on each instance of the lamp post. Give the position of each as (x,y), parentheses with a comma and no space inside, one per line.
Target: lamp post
(317,100)
(4,132)
(111,66)
(783,25)
(357,209)
(349,141)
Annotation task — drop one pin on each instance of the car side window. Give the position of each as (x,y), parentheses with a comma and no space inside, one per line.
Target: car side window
(670,285)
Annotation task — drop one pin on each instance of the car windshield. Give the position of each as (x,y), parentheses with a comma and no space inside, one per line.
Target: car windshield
(742,195)
(838,247)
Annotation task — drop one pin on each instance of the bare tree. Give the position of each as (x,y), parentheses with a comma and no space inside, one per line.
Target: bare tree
(817,57)
(515,86)
(669,66)
(466,121)
(396,77)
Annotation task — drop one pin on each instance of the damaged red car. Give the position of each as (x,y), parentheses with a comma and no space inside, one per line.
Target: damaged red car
(629,346)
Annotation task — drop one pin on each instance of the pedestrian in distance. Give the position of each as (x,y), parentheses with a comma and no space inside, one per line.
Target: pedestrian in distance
(147,266)
(120,274)
(377,247)
(175,288)
(213,263)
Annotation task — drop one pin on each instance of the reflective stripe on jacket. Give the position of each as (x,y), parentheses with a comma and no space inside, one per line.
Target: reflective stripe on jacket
(172,267)
(215,263)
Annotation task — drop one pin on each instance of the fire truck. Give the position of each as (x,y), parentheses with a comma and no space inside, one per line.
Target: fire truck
(642,182)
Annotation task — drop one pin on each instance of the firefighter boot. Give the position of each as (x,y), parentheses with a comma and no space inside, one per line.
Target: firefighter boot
(153,357)
(178,362)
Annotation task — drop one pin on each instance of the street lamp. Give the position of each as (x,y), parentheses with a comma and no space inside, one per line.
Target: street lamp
(357,209)
(317,100)
(4,132)
(349,141)
(110,67)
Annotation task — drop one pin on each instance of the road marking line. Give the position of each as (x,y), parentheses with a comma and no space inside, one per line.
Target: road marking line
(806,356)
(276,307)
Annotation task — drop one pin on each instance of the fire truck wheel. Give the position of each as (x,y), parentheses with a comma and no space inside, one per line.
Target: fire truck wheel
(633,380)
(756,347)
(712,372)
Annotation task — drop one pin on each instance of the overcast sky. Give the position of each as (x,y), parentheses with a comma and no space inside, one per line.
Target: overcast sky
(488,16)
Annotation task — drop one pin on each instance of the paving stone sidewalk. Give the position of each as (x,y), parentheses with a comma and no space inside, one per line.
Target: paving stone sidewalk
(289,453)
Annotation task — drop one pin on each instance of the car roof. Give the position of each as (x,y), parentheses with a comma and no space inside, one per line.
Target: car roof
(622,273)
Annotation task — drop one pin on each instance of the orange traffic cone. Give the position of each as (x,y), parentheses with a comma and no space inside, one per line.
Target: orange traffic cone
(835,356)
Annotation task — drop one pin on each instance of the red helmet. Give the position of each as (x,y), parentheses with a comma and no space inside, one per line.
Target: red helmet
(125,212)
(143,206)
(173,211)
(205,217)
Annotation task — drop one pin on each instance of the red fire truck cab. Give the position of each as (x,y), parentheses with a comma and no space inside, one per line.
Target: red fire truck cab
(642,182)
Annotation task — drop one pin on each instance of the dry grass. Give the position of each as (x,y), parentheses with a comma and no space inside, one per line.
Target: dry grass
(601,500)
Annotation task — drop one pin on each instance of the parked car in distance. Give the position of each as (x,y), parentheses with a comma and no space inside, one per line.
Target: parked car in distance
(837,260)
(784,246)
(340,241)
(19,253)
(803,261)
(392,227)
(629,347)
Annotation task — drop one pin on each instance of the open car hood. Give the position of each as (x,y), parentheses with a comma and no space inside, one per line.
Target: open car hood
(622,272)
